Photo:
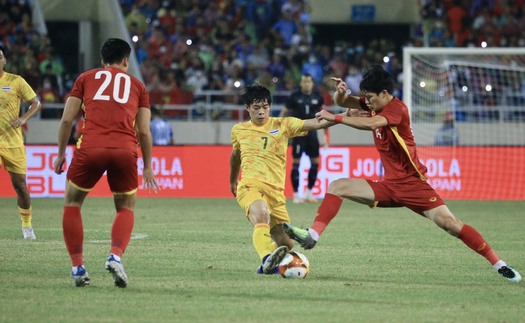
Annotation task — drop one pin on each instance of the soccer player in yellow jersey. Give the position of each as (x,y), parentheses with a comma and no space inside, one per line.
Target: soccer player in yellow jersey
(12,150)
(259,150)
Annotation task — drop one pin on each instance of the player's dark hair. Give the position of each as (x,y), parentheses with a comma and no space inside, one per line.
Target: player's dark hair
(114,50)
(2,49)
(256,93)
(376,79)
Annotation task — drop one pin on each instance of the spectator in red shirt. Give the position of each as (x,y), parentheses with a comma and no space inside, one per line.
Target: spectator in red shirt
(455,16)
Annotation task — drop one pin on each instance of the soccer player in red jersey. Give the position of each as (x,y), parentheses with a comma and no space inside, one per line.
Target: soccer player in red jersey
(116,107)
(404,182)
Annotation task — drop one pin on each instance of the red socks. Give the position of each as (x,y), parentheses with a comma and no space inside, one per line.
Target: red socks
(326,212)
(475,241)
(73,234)
(121,231)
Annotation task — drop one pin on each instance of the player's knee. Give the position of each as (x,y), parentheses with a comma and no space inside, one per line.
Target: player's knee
(259,215)
(336,187)
(20,187)
(450,224)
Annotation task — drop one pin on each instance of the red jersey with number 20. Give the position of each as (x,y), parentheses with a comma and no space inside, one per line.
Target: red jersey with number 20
(395,143)
(111,100)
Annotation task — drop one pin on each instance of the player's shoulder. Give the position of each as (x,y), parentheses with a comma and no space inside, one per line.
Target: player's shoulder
(89,74)
(284,122)
(399,105)
(241,125)
(10,77)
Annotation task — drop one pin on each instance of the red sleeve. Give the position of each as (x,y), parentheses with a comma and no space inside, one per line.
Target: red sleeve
(78,87)
(393,112)
(144,97)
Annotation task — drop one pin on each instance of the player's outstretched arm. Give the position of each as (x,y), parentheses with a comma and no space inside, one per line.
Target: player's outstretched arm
(145,140)
(358,122)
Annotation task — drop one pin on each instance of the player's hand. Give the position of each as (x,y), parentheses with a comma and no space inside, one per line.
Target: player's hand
(58,164)
(339,84)
(17,122)
(233,188)
(149,180)
(324,115)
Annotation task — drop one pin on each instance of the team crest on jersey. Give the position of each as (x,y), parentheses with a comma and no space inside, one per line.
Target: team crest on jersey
(6,88)
(274,132)
(314,101)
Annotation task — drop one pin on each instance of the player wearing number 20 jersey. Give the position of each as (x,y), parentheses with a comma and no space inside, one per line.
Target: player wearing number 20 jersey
(114,104)
(111,100)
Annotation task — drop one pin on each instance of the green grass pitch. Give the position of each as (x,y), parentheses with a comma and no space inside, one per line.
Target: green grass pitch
(192,260)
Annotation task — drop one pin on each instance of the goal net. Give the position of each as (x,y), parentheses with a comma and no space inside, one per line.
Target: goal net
(467,107)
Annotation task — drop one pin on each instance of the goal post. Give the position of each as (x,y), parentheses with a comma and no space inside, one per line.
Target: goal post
(467,107)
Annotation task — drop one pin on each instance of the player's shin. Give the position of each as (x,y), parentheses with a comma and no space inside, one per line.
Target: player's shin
(295,177)
(262,240)
(312,175)
(73,234)
(25,216)
(121,231)
(326,212)
(475,241)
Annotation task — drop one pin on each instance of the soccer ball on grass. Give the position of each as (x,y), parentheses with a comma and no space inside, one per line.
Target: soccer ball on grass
(294,265)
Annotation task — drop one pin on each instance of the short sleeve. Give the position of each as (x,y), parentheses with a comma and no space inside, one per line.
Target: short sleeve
(234,139)
(293,127)
(26,92)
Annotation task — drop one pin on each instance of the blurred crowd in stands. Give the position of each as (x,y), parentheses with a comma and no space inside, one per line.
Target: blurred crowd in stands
(30,53)
(187,46)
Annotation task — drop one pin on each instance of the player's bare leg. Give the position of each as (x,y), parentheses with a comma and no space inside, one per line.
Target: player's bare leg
(24,203)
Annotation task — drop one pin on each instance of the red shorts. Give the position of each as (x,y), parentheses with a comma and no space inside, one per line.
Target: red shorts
(89,164)
(414,194)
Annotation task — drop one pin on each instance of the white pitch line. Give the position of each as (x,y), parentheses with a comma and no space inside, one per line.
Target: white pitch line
(136,236)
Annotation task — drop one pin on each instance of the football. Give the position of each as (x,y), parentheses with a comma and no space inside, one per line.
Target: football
(294,265)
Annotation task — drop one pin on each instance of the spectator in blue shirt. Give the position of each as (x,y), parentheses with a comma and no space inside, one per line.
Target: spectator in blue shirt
(447,135)
(161,130)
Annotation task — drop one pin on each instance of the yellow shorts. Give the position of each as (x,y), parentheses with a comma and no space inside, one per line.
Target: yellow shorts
(14,159)
(249,191)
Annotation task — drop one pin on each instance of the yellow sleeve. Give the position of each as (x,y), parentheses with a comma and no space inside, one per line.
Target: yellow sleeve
(234,139)
(293,127)
(26,92)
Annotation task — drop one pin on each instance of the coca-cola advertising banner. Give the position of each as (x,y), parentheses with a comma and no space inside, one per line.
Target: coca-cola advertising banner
(461,173)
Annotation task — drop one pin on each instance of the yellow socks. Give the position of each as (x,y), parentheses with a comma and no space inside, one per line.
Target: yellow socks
(25,215)
(262,240)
